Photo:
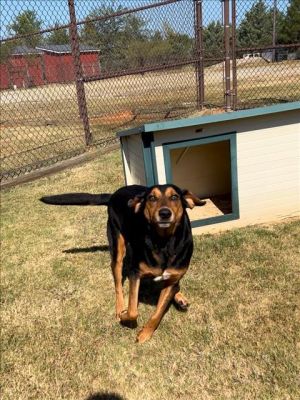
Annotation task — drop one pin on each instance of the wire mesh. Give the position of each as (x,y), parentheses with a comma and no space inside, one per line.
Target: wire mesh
(268,52)
(147,72)
(40,124)
(73,72)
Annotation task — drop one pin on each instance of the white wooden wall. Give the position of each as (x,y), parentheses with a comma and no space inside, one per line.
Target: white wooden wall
(133,160)
(269,172)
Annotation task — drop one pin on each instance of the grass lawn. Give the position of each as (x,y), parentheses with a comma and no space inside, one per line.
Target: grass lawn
(239,339)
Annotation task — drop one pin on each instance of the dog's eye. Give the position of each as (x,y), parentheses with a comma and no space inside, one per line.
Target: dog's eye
(152,198)
(174,197)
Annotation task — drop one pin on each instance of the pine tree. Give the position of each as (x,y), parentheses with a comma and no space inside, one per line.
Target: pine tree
(213,40)
(59,36)
(290,32)
(256,27)
(27,22)
(279,24)
(112,35)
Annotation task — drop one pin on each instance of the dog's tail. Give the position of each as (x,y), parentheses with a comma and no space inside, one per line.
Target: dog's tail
(77,199)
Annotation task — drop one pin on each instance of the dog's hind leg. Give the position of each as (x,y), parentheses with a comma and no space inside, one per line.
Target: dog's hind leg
(118,254)
(181,301)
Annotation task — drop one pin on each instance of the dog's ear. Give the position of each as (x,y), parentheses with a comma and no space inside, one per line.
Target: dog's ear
(136,202)
(191,200)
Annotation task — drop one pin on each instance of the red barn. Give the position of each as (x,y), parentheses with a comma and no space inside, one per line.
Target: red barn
(22,69)
(27,67)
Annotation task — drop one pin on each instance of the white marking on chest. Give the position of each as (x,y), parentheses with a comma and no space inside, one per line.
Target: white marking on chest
(166,275)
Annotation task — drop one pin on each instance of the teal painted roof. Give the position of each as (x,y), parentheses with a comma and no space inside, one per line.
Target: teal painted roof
(211,119)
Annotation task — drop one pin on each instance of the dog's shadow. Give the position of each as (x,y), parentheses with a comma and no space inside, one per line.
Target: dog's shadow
(105,396)
(149,291)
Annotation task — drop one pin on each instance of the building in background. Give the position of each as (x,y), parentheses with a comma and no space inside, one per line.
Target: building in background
(29,67)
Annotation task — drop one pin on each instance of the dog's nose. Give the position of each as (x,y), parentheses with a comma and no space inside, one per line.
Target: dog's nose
(165,213)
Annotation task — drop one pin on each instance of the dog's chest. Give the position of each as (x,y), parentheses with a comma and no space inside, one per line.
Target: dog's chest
(160,254)
(163,259)
(156,260)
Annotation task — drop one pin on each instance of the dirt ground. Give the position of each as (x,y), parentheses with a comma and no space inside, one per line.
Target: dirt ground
(254,69)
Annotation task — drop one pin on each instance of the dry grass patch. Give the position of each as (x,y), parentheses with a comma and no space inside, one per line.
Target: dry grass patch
(239,339)
(29,117)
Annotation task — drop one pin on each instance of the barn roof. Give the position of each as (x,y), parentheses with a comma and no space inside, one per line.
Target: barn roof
(24,50)
(51,48)
(210,119)
(66,48)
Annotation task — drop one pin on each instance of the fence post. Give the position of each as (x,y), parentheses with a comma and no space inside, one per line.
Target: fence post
(227,55)
(199,53)
(274,30)
(233,48)
(78,73)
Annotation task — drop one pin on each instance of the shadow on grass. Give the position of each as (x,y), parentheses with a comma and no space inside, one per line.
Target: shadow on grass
(149,290)
(92,249)
(105,396)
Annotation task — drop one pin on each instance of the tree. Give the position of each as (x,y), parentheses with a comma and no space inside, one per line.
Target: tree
(256,27)
(180,45)
(290,31)
(134,28)
(26,23)
(5,51)
(279,25)
(213,40)
(149,51)
(111,35)
(59,36)
(125,42)
(133,43)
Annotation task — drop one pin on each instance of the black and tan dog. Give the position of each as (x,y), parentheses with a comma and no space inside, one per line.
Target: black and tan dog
(152,227)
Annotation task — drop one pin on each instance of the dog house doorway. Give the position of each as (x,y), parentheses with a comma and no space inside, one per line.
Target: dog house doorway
(208,168)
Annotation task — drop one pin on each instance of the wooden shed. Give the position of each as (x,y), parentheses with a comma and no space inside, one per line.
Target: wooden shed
(246,164)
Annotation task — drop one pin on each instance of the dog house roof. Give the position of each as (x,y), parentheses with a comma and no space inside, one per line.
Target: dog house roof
(210,119)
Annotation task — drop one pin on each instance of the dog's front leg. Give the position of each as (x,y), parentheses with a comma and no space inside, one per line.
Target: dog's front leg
(166,295)
(129,317)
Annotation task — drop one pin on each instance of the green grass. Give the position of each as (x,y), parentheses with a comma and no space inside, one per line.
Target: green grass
(239,339)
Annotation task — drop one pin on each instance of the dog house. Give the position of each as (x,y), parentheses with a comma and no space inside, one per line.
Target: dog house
(245,164)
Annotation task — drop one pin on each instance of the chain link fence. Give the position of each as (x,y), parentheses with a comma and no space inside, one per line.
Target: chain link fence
(73,72)
(267,52)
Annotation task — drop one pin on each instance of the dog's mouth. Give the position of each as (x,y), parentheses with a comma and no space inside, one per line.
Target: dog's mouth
(164,224)
(164,218)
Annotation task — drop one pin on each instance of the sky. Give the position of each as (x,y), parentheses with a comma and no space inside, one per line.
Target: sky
(178,15)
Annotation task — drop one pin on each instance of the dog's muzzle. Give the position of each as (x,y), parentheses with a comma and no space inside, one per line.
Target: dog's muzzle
(165,217)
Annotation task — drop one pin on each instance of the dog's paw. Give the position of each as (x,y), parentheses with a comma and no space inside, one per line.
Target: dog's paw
(181,303)
(128,321)
(182,306)
(144,335)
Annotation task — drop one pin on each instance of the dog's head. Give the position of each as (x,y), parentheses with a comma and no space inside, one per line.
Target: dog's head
(164,205)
